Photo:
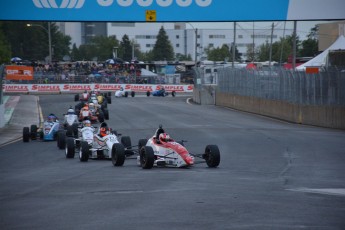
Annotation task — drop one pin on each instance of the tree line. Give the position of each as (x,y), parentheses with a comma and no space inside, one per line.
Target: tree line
(31,43)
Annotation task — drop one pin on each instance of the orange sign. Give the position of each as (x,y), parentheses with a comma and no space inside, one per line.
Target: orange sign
(312,69)
(19,72)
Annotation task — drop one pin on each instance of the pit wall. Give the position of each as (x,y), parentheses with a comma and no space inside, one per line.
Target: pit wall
(323,116)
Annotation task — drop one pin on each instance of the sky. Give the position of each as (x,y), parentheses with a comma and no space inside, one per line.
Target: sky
(303,27)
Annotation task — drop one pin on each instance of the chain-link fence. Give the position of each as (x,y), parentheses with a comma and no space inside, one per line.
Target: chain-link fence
(324,88)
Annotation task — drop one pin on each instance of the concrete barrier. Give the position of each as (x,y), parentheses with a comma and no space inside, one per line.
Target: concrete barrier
(323,116)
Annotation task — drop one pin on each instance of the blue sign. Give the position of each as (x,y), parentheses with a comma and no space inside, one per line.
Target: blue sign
(170,10)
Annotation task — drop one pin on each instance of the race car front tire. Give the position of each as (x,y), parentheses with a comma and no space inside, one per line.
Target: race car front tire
(148,93)
(173,93)
(70,148)
(84,151)
(132,93)
(142,142)
(61,139)
(118,154)
(147,157)
(212,156)
(33,132)
(26,134)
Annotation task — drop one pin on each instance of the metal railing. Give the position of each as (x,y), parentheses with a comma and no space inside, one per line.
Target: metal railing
(324,88)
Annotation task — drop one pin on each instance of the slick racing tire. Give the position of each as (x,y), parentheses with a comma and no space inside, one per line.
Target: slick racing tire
(118,154)
(142,142)
(127,143)
(173,93)
(33,132)
(148,93)
(76,97)
(106,114)
(212,156)
(61,139)
(109,98)
(126,94)
(132,93)
(26,134)
(101,116)
(69,132)
(84,151)
(147,157)
(70,149)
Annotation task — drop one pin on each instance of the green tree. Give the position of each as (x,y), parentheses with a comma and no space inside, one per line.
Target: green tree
(310,46)
(31,43)
(126,48)
(102,47)
(163,49)
(5,49)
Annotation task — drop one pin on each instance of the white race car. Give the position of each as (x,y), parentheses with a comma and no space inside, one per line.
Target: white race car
(161,150)
(94,145)
(123,93)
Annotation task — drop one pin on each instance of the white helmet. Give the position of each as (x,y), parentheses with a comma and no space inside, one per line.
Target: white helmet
(91,104)
(87,123)
(70,111)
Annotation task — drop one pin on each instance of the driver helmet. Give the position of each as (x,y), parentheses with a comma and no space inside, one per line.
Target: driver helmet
(87,123)
(51,118)
(91,105)
(70,111)
(103,131)
(164,137)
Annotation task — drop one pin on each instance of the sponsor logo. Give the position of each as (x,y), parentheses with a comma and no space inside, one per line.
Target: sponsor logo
(69,4)
(47,88)
(15,88)
(107,87)
(77,4)
(76,87)
(139,87)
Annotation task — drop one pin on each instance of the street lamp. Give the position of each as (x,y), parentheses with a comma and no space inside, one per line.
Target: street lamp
(115,53)
(196,41)
(49,38)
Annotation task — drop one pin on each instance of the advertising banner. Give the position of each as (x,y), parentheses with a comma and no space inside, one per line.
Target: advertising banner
(19,72)
(171,10)
(77,88)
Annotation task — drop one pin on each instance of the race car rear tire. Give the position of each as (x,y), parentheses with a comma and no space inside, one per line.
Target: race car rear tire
(101,116)
(33,132)
(126,94)
(26,134)
(109,98)
(132,93)
(76,97)
(142,142)
(148,93)
(109,95)
(70,148)
(61,139)
(173,93)
(84,151)
(69,132)
(118,154)
(75,130)
(212,156)
(147,157)
(106,114)
(126,141)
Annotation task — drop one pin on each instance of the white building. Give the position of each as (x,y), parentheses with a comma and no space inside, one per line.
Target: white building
(182,35)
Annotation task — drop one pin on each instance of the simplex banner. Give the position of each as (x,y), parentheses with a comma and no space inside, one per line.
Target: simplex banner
(171,10)
(73,88)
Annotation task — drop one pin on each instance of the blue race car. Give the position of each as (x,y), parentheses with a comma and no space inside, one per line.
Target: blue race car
(160,92)
(51,126)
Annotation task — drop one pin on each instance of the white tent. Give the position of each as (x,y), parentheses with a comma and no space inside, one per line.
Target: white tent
(147,73)
(320,60)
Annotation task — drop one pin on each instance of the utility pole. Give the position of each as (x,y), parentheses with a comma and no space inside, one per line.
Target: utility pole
(233,47)
(294,45)
(271,45)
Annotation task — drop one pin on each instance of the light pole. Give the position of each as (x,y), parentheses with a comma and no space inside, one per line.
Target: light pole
(115,53)
(196,41)
(49,38)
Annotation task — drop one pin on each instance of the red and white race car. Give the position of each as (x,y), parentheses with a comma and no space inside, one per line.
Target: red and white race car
(161,150)
(83,97)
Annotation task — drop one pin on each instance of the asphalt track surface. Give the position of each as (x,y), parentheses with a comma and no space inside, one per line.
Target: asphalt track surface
(272,174)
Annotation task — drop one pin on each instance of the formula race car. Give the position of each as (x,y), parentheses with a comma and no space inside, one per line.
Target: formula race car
(123,93)
(161,150)
(71,123)
(83,97)
(160,92)
(103,144)
(51,126)
(92,112)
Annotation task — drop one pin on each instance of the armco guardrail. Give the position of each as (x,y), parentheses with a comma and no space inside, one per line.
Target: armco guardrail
(71,88)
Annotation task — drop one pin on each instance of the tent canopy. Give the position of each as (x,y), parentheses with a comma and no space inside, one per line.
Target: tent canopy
(147,73)
(320,60)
